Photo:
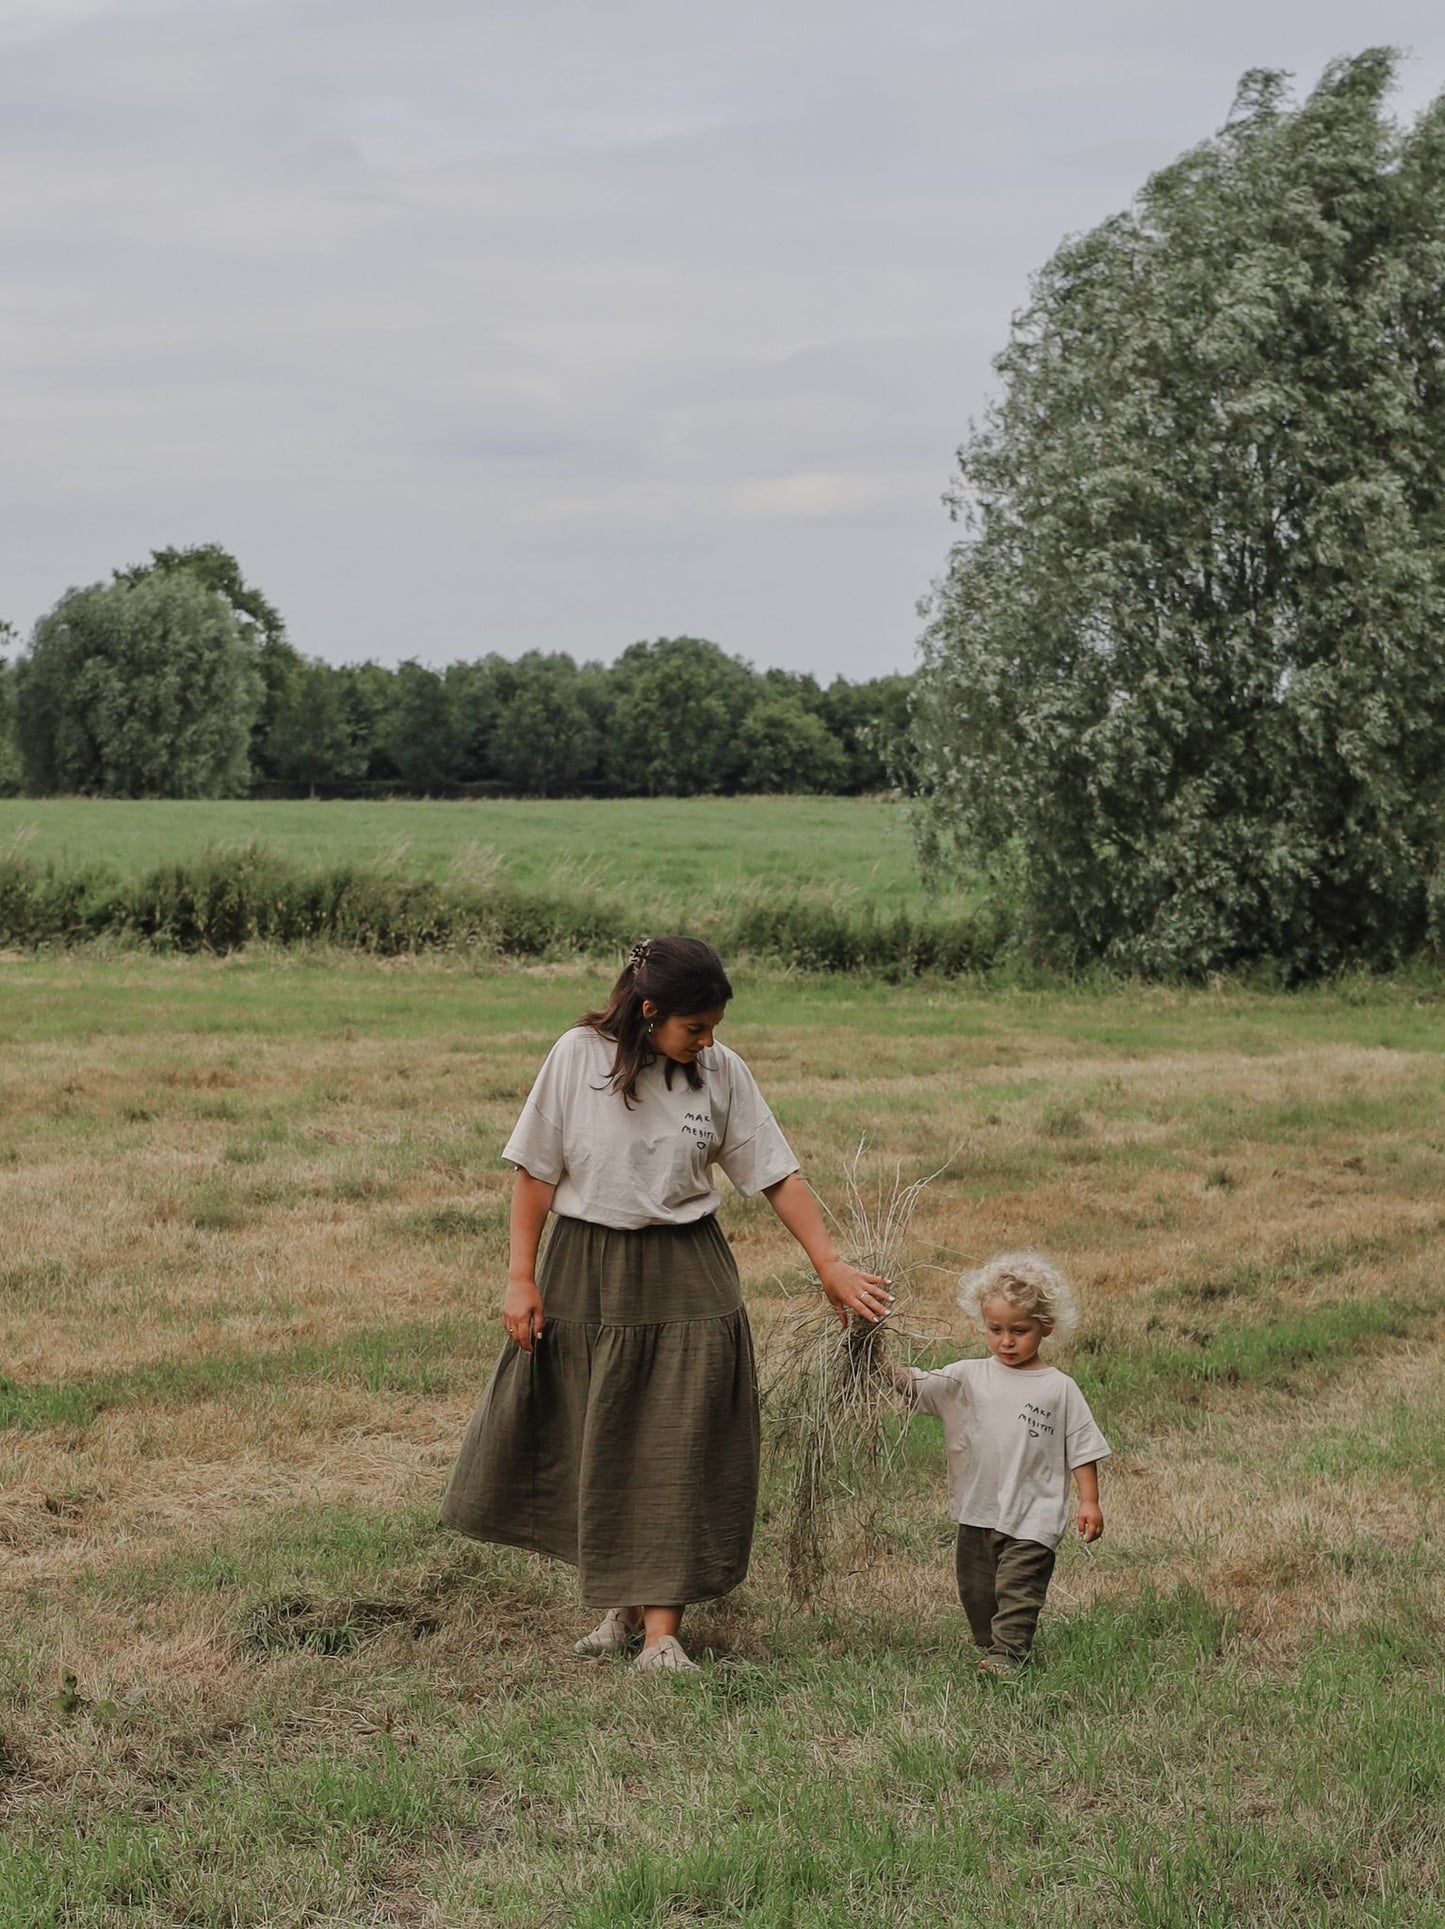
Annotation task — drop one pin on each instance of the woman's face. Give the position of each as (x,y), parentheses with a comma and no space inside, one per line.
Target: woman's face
(679,1036)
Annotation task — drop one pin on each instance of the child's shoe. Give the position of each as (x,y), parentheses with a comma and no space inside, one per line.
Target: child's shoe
(1002,1667)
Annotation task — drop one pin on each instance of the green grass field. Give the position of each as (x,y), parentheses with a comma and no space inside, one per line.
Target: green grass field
(667,847)
(254,1222)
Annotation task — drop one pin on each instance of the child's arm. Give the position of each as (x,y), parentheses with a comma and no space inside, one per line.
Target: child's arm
(900,1378)
(1091,1514)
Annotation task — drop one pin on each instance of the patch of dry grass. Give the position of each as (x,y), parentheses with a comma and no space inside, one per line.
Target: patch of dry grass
(254,1215)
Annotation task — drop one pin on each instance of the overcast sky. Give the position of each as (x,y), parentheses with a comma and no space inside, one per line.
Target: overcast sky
(555,324)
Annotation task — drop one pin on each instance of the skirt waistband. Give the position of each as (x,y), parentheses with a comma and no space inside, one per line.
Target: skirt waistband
(608,1276)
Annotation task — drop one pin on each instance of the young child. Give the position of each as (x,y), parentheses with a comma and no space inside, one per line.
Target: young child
(1015,1428)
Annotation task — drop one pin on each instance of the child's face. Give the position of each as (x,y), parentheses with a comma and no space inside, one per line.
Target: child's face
(1013,1337)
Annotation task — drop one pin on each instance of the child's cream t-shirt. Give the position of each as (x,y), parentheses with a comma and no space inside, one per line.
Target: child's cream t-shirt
(648,1164)
(1014,1435)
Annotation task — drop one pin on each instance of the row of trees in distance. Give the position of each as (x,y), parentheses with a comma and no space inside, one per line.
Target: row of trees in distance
(177,679)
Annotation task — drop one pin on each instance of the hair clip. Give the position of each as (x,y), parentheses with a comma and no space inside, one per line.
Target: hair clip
(639,956)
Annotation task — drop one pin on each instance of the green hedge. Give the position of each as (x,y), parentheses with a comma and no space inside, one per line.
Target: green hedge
(227,899)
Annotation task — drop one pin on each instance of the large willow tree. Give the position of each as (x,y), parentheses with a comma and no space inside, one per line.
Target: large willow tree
(1184,679)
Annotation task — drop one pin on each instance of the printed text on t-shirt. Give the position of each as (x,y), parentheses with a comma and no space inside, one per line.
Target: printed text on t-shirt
(1037,1419)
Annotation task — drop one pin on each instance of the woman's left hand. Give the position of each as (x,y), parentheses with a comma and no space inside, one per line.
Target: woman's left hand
(850,1291)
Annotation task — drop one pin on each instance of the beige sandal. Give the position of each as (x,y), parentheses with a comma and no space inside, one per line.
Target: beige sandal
(613,1634)
(666,1655)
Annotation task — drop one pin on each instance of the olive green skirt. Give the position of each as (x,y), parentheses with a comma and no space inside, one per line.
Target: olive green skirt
(627,1442)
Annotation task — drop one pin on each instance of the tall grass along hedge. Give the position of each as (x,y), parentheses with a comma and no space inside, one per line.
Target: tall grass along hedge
(226,899)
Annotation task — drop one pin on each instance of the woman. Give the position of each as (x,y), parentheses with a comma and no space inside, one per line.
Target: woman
(620,1428)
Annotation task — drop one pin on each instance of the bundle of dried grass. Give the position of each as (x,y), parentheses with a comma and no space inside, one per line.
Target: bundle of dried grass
(830,1394)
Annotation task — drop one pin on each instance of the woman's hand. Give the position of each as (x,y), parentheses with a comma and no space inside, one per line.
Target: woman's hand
(849,1291)
(522,1313)
(522,1307)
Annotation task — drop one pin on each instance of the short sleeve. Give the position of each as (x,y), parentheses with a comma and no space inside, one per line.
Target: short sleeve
(536,1141)
(931,1392)
(1083,1443)
(754,1154)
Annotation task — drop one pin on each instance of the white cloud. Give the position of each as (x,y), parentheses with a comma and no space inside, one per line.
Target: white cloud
(820,497)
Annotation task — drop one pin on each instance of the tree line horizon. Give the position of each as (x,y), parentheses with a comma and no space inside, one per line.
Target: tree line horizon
(177,679)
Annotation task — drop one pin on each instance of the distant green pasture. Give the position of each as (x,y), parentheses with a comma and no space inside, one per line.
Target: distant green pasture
(671,845)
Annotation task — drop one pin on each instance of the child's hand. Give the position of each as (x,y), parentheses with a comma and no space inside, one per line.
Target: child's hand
(1091,1520)
(900,1378)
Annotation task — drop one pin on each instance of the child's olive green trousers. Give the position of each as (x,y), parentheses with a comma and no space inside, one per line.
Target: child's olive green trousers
(1002,1583)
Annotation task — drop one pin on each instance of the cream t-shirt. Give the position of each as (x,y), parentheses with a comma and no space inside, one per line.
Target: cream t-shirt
(1014,1435)
(649,1164)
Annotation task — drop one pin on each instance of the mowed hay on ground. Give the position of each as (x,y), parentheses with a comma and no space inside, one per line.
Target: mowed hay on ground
(254,1227)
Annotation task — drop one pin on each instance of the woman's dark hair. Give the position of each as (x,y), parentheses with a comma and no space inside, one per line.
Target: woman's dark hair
(680,976)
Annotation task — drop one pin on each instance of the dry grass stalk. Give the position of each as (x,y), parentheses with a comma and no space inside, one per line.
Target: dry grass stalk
(830,1394)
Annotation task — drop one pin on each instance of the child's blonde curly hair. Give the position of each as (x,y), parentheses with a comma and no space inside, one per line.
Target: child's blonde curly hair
(1029,1282)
